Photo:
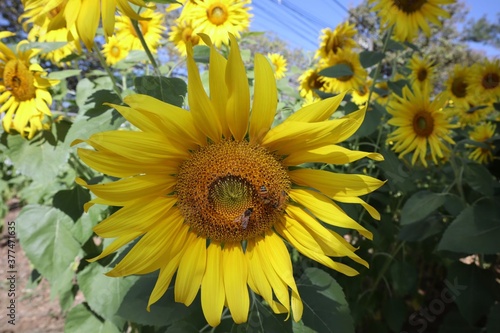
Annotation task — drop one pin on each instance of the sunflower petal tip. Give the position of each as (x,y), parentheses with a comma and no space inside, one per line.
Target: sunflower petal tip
(75,142)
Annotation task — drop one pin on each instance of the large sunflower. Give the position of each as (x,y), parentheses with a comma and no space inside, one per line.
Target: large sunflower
(340,38)
(408,16)
(485,81)
(23,90)
(310,81)
(80,17)
(457,87)
(421,126)
(351,60)
(151,29)
(212,191)
(218,18)
(422,72)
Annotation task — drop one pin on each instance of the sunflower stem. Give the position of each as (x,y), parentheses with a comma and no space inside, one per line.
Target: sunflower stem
(379,65)
(145,46)
(110,73)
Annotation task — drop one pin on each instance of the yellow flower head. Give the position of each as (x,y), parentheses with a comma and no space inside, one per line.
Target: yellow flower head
(421,126)
(218,18)
(310,80)
(408,16)
(182,33)
(23,90)
(151,29)
(482,133)
(340,38)
(457,87)
(80,17)
(212,190)
(485,81)
(351,60)
(422,72)
(42,34)
(360,95)
(115,50)
(279,64)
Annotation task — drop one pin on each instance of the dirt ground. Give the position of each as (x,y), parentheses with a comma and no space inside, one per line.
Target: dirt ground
(35,311)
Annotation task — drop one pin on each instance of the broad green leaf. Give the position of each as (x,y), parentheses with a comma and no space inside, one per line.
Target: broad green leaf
(71,201)
(104,294)
(301,328)
(394,46)
(370,58)
(170,90)
(37,160)
(398,175)
(262,319)
(453,204)
(336,71)
(83,228)
(424,229)
(165,312)
(453,322)
(403,277)
(397,86)
(90,95)
(479,178)
(395,313)
(45,234)
(472,289)
(81,319)
(420,205)
(61,75)
(46,47)
(370,124)
(325,306)
(475,230)
(201,54)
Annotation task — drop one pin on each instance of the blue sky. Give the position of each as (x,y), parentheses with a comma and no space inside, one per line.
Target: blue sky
(299,22)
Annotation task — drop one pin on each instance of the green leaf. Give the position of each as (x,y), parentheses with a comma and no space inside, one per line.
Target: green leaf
(472,289)
(403,277)
(83,228)
(453,323)
(201,54)
(165,312)
(397,86)
(262,319)
(46,47)
(395,313)
(166,1)
(370,124)
(475,230)
(394,46)
(170,90)
(339,70)
(478,178)
(396,172)
(420,205)
(61,75)
(325,306)
(424,229)
(38,160)
(104,294)
(71,201)
(45,234)
(91,95)
(370,58)
(80,319)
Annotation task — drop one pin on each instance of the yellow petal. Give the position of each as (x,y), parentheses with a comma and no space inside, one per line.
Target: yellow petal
(212,286)
(370,209)
(108,17)
(116,244)
(282,229)
(335,184)
(238,103)
(191,271)
(265,100)
(138,216)
(326,210)
(204,115)
(235,271)
(87,22)
(319,111)
(164,279)
(132,188)
(331,154)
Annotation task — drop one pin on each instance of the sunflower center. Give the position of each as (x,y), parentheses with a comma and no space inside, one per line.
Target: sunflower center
(187,35)
(409,6)
(334,43)
(459,87)
(422,74)
(19,80)
(115,51)
(423,124)
(232,191)
(315,81)
(217,14)
(491,81)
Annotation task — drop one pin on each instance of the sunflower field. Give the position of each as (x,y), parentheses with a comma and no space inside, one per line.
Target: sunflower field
(166,168)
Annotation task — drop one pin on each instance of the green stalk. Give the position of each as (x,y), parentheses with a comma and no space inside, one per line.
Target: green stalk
(140,35)
(110,73)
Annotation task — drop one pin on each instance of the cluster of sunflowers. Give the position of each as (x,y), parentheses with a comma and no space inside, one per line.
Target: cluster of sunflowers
(212,190)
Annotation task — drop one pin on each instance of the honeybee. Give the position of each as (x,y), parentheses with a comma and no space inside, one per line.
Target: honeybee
(264,194)
(244,218)
(281,199)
